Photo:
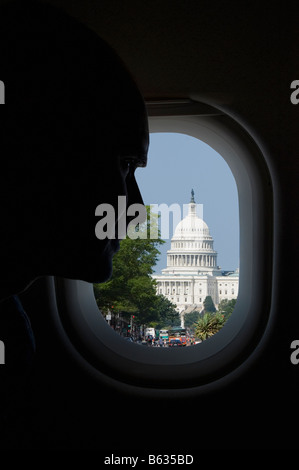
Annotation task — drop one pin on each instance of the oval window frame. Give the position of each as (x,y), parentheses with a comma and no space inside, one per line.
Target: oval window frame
(141,370)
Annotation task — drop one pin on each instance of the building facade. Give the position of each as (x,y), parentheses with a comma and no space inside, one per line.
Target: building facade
(192,272)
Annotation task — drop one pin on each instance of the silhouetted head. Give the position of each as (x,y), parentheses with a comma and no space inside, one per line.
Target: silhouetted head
(73,130)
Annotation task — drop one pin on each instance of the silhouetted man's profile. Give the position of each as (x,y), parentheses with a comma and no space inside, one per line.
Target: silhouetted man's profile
(73,130)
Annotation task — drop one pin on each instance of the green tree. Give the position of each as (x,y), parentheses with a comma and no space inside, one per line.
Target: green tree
(167,314)
(191,318)
(226,307)
(208,304)
(208,325)
(143,297)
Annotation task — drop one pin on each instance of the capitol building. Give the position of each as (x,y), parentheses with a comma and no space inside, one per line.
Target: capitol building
(192,272)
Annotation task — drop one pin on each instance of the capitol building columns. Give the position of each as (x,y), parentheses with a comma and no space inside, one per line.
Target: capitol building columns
(199,260)
(192,272)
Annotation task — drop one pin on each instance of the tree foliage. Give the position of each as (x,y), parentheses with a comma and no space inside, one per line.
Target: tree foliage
(211,322)
(208,304)
(226,307)
(191,318)
(208,325)
(168,315)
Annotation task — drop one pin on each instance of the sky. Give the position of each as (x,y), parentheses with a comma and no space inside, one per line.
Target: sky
(178,163)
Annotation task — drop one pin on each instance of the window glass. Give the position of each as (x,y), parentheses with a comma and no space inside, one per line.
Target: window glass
(194,184)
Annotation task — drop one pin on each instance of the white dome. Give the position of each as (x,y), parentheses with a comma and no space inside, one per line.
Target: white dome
(191,227)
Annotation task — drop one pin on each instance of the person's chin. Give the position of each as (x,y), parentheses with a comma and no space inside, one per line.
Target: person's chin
(95,264)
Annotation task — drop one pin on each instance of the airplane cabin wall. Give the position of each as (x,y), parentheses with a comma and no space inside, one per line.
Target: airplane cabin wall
(242,59)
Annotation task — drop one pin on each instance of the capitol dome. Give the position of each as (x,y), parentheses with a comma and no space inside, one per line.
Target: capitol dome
(191,227)
(192,245)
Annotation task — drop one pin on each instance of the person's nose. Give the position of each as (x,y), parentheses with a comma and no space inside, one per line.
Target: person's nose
(134,197)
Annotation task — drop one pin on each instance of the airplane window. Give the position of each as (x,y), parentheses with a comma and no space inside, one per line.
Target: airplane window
(236,208)
(191,197)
